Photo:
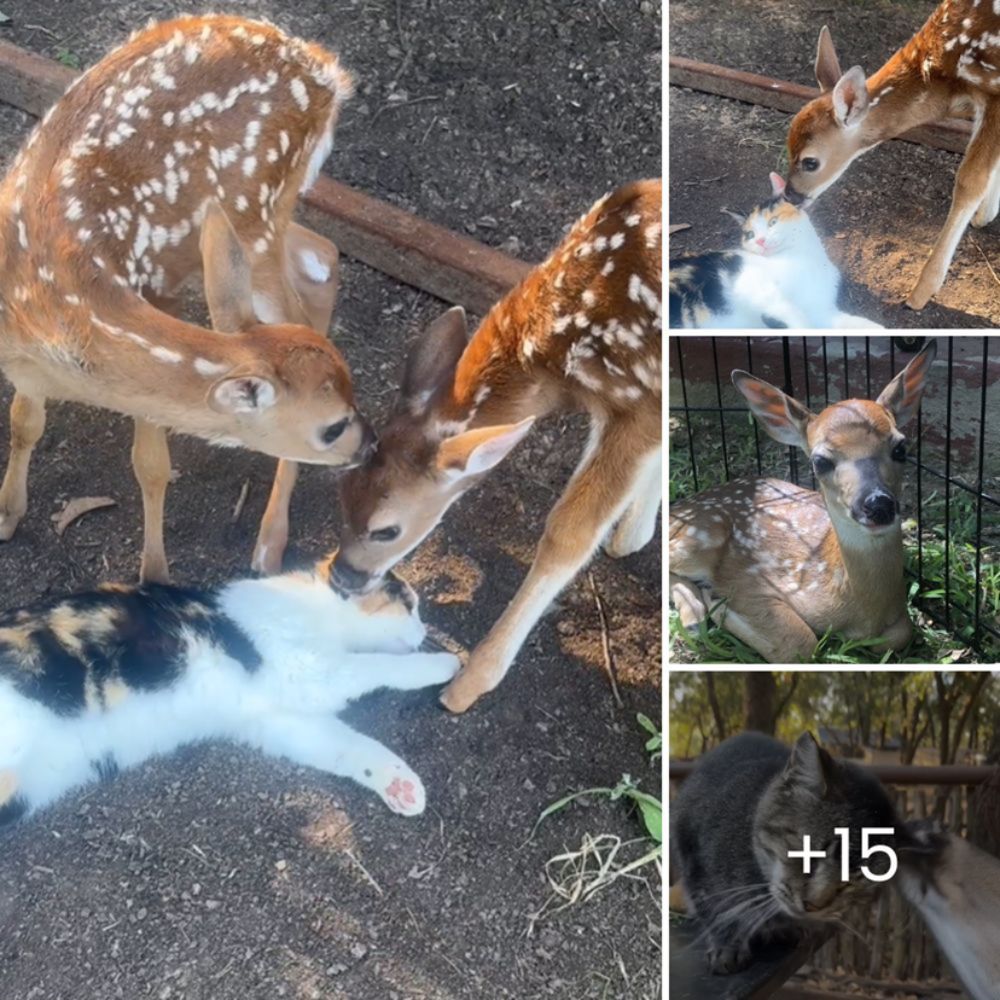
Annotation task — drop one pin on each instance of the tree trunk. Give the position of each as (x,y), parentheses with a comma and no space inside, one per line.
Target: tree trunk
(759,695)
(713,701)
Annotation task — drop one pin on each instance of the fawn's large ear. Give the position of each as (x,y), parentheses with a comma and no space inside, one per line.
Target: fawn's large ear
(901,397)
(474,452)
(811,767)
(242,394)
(433,359)
(228,276)
(827,64)
(312,267)
(850,98)
(782,417)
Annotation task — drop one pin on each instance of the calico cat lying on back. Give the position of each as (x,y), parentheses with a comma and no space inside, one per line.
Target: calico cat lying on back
(748,803)
(780,276)
(104,680)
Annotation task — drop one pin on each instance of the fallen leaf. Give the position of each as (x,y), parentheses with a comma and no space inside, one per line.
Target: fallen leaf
(677,227)
(77,507)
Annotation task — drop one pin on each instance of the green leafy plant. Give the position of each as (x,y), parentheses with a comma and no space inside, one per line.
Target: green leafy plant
(650,806)
(654,745)
(67,57)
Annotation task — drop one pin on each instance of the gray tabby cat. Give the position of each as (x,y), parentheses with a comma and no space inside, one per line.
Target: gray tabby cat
(747,804)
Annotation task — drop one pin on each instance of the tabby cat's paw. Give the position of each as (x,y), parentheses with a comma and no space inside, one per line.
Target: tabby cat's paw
(729,958)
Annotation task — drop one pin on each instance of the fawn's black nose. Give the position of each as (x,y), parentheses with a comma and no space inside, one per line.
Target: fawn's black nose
(879,507)
(346,578)
(793,196)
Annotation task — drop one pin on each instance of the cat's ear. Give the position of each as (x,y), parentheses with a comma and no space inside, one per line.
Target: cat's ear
(784,418)
(740,219)
(777,184)
(827,65)
(811,767)
(850,98)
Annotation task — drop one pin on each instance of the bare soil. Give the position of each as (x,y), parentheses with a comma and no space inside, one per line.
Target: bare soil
(881,218)
(216,873)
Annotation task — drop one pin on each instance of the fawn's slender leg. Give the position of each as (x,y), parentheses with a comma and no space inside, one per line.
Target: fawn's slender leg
(272,537)
(972,183)
(638,524)
(151,464)
(989,207)
(595,497)
(27,424)
(768,625)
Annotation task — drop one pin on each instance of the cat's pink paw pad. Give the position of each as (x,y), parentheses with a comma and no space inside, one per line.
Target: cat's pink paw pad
(404,796)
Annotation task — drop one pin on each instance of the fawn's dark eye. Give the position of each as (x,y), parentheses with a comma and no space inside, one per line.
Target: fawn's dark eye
(385,534)
(809,164)
(822,465)
(899,452)
(331,433)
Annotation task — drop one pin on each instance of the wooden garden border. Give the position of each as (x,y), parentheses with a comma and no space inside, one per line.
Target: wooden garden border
(396,242)
(952,135)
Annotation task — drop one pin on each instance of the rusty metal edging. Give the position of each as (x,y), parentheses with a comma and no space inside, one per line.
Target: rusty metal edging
(452,267)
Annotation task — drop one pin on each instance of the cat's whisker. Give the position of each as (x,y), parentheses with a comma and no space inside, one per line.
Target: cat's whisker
(737,891)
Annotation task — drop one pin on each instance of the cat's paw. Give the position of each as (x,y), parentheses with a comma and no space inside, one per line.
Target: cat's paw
(724,960)
(404,794)
(442,667)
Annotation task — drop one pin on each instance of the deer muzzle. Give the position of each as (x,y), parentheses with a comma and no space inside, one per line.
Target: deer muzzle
(877,510)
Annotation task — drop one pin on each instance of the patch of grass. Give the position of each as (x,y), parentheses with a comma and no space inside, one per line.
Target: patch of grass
(600,860)
(932,641)
(67,57)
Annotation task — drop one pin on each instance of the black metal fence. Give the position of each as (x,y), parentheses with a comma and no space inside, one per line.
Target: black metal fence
(954,550)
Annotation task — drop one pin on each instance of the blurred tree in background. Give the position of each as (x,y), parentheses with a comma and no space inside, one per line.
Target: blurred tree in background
(956,713)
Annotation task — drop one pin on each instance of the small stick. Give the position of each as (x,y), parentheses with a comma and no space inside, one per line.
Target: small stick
(364,871)
(241,500)
(609,664)
(987,260)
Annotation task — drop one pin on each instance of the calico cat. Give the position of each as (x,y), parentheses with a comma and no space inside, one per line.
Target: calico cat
(746,804)
(780,277)
(955,887)
(104,680)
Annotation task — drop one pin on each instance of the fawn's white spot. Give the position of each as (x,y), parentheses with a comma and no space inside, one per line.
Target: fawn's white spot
(315,269)
(300,93)
(165,354)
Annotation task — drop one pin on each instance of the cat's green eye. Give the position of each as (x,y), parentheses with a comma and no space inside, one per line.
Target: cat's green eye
(771,223)
(748,234)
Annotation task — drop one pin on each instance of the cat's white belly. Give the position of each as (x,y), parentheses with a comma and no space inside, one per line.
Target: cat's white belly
(50,753)
(794,290)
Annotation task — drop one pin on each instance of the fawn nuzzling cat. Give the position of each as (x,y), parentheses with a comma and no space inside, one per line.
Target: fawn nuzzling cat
(780,276)
(101,681)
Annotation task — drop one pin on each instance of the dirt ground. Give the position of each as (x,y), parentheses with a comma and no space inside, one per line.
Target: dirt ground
(216,873)
(881,219)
